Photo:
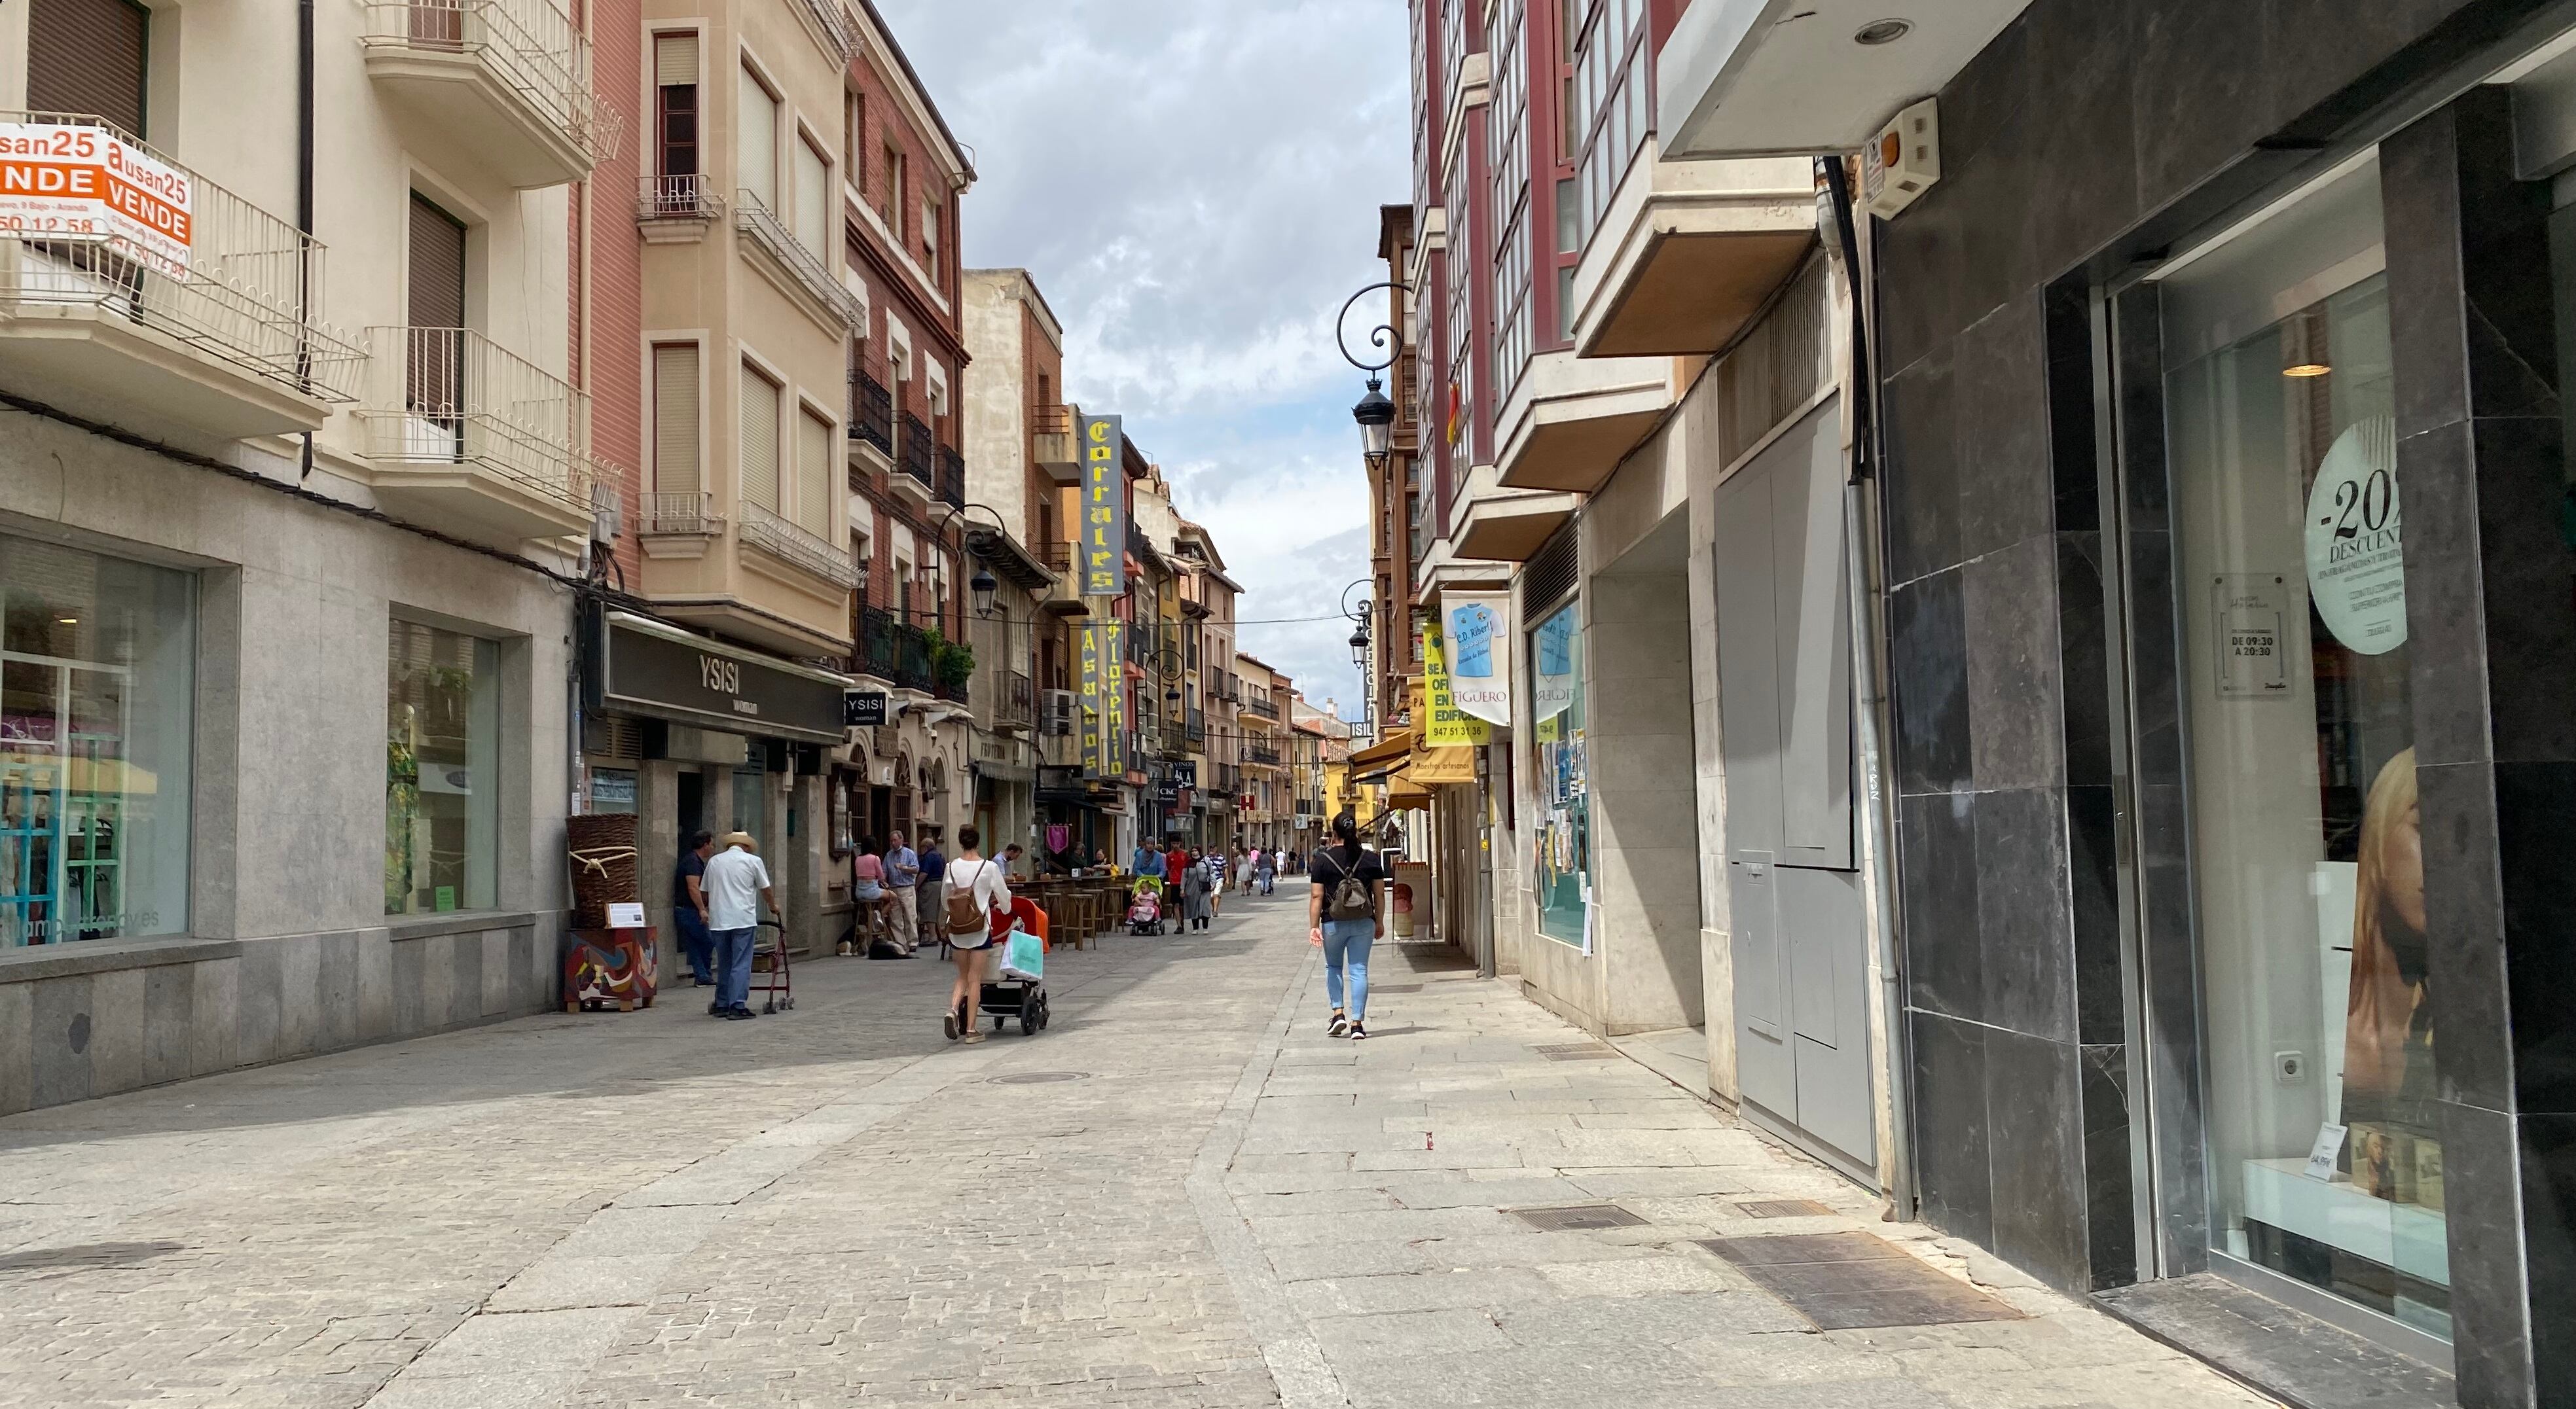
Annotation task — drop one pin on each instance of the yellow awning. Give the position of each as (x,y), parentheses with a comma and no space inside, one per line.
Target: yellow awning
(1388,750)
(1433,767)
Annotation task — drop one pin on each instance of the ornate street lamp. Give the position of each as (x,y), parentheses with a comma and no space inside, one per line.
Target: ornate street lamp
(1375,413)
(981,586)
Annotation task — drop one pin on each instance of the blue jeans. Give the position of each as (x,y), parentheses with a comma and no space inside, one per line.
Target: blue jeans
(733,966)
(1346,946)
(695,943)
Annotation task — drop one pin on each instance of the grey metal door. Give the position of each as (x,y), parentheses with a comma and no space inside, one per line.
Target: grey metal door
(1797,926)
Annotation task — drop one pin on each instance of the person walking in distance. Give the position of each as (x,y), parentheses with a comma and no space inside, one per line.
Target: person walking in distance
(1265,866)
(976,889)
(1196,908)
(903,879)
(689,907)
(737,887)
(1343,916)
(934,867)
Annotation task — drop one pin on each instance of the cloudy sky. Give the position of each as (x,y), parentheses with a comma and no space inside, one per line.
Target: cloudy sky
(1195,184)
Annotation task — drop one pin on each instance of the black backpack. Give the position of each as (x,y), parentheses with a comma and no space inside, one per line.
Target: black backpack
(1351,898)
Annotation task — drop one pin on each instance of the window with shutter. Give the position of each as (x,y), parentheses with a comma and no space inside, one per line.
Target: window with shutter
(435,354)
(675,76)
(756,151)
(88,57)
(675,420)
(814,474)
(813,200)
(759,440)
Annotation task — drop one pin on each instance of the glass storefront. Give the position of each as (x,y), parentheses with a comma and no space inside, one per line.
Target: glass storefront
(1561,849)
(442,770)
(2325,1163)
(97,695)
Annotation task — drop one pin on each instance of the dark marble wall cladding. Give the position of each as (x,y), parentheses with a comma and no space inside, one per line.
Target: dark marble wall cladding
(2482,469)
(2089,132)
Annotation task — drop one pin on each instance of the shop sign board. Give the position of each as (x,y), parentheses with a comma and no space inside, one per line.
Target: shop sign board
(863,709)
(1445,725)
(1104,506)
(2356,547)
(638,666)
(1479,653)
(88,184)
(1102,652)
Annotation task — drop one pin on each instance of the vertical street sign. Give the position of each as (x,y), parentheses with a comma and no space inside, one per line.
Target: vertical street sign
(1113,697)
(1104,507)
(1089,649)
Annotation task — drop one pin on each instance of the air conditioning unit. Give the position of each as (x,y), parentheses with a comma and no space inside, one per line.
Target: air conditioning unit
(1057,715)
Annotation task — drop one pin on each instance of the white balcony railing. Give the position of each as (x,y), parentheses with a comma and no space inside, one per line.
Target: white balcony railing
(248,292)
(789,544)
(450,397)
(753,218)
(531,46)
(677,198)
(676,514)
(840,33)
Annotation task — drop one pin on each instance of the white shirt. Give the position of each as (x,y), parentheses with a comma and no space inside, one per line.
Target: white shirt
(986,877)
(733,883)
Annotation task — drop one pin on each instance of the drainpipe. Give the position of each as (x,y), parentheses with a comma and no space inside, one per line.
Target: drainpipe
(1861,506)
(304,208)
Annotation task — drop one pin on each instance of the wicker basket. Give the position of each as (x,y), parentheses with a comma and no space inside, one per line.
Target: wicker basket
(602,847)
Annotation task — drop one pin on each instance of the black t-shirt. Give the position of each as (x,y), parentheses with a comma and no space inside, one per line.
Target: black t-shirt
(1328,866)
(691,864)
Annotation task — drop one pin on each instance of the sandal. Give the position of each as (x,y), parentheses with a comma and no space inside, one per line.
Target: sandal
(948,1021)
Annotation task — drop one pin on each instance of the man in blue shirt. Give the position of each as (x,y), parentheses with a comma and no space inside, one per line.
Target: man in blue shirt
(1149,859)
(903,877)
(934,868)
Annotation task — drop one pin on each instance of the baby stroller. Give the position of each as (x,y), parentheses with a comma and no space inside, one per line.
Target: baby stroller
(1020,992)
(1145,915)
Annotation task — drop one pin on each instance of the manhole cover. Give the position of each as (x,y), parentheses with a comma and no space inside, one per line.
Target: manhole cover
(1785,1208)
(1578,1218)
(1577,1052)
(1036,1078)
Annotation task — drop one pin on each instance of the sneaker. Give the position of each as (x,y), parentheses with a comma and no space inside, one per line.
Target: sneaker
(1340,1026)
(974,1037)
(1358,1033)
(948,1023)
(739,1015)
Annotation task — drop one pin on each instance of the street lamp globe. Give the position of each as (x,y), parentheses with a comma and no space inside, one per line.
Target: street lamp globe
(983,586)
(1376,416)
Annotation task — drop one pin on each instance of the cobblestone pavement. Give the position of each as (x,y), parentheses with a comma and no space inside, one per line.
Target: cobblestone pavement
(1218,1206)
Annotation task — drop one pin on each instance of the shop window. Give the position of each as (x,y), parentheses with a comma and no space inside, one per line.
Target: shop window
(96,710)
(442,770)
(1561,857)
(2325,1158)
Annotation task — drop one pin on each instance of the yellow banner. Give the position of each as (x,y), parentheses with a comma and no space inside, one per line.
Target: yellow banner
(1444,725)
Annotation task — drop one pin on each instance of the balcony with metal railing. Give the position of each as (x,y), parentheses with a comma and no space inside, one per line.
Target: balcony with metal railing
(871,420)
(1051,441)
(1262,754)
(504,84)
(1197,727)
(912,462)
(1063,596)
(467,437)
(1255,703)
(673,210)
(798,270)
(213,333)
(951,483)
(797,547)
(680,516)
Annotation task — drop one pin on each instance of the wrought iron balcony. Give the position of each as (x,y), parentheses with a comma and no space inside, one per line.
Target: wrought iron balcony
(810,281)
(1197,727)
(912,465)
(952,478)
(468,436)
(505,83)
(797,547)
(871,413)
(675,209)
(218,334)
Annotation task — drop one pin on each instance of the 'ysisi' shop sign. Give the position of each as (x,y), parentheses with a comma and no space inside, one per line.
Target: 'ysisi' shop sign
(633,665)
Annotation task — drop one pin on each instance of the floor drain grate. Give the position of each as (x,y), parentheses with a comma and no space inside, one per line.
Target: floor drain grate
(1036,1078)
(1579,1218)
(1842,1281)
(1785,1208)
(1576,1052)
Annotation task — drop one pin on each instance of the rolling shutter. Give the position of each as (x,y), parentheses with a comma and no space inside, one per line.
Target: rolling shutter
(759,440)
(675,60)
(814,474)
(675,420)
(435,352)
(87,56)
(813,202)
(756,149)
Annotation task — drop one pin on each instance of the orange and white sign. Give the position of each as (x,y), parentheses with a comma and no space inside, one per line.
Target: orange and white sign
(88,184)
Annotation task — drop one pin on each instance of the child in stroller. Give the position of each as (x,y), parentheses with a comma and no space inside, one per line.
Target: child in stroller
(1145,907)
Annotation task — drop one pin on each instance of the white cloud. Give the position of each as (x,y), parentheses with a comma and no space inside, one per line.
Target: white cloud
(1195,185)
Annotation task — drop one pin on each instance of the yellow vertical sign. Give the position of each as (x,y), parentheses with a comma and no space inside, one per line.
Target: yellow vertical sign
(1104,507)
(1444,724)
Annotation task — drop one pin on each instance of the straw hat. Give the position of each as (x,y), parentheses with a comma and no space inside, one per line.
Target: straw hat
(740,839)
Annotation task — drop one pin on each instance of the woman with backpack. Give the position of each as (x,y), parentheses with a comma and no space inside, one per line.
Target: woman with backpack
(1342,915)
(976,889)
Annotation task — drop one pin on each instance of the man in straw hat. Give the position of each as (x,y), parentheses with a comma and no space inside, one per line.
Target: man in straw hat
(736,885)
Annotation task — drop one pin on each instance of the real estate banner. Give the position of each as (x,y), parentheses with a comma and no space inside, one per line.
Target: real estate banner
(1479,628)
(1444,725)
(66,185)
(1104,507)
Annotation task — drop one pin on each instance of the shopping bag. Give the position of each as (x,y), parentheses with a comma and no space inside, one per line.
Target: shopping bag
(1023,955)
